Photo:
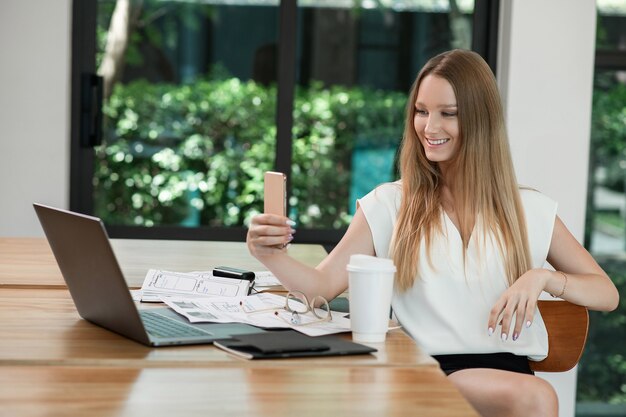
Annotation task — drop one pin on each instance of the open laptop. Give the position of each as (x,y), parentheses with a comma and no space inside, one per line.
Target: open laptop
(82,249)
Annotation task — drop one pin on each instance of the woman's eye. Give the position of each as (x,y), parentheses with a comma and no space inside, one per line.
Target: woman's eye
(448,114)
(421,112)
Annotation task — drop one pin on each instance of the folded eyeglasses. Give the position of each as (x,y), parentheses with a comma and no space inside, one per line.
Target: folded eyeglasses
(297,305)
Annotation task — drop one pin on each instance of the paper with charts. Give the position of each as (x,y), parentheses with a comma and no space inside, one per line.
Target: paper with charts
(190,284)
(263,310)
(267,281)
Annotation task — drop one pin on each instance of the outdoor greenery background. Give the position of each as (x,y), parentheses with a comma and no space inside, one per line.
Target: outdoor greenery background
(195,154)
(602,369)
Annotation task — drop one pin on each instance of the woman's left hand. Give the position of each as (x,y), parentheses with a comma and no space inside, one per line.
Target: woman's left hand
(519,301)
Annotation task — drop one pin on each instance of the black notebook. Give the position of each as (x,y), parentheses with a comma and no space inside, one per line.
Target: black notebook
(289,344)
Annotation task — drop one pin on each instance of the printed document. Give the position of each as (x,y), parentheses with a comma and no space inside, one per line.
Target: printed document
(266,280)
(190,284)
(263,310)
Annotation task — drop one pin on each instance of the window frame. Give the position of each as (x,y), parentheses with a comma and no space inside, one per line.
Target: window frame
(84,13)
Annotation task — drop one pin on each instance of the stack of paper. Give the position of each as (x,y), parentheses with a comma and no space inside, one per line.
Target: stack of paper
(160,283)
(265,280)
(202,297)
(263,310)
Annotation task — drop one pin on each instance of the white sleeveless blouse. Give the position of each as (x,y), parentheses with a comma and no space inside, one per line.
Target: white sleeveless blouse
(447,309)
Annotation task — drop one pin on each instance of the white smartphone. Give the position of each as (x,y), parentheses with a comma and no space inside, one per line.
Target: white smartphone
(275,193)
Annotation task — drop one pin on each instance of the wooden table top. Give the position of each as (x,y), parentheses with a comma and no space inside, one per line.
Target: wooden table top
(29,262)
(42,327)
(226,391)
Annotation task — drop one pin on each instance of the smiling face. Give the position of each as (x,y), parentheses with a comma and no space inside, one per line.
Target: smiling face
(435,121)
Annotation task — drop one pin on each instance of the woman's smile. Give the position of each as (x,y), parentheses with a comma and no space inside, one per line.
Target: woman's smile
(437,142)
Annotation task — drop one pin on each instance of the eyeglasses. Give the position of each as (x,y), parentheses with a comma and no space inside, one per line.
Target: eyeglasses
(297,305)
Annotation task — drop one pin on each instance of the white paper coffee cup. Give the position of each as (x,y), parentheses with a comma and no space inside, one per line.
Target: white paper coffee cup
(370,290)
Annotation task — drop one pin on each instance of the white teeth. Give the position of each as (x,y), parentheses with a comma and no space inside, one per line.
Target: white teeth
(437,142)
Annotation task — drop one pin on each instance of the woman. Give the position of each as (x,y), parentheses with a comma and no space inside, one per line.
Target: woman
(468,242)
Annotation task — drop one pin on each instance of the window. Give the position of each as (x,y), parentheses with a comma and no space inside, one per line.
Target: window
(602,371)
(201,97)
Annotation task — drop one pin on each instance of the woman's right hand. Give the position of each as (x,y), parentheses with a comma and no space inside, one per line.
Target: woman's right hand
(269,234)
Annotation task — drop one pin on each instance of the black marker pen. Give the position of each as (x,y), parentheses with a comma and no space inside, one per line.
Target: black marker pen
(228,272)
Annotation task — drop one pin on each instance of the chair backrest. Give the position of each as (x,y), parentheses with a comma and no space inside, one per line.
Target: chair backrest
(567,326)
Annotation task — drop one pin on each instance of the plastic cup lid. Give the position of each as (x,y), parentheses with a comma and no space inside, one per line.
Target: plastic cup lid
(366,263)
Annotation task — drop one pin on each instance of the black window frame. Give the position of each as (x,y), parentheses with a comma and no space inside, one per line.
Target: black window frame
(84,12)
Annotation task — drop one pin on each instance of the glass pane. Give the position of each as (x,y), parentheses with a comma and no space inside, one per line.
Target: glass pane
(355,67)
(602,370)
(610,25)
(189,123)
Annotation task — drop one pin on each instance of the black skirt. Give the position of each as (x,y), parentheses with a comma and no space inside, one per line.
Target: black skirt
(502,361)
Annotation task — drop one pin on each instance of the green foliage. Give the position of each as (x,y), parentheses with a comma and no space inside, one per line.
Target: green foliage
(602,370)
(200,150)
(328,125)
(149,15)
(608,129)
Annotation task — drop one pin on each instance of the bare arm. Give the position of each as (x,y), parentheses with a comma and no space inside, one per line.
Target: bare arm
(329,278)
(587,283)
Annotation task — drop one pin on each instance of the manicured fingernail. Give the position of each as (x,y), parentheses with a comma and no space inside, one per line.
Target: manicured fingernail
(490,331)
(289,238)
(515,336)
(504,336)
(292,231)
(528,323)
(290,223)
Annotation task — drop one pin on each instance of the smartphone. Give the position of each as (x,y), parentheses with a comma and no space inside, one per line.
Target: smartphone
(275,193)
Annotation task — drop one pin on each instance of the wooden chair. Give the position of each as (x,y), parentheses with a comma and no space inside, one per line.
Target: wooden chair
(567,326)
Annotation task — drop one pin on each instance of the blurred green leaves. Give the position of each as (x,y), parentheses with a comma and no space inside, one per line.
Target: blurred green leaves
(608,130)
(178,152)
(602,369)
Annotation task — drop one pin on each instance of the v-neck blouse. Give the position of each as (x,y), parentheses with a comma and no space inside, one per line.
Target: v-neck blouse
(447,308)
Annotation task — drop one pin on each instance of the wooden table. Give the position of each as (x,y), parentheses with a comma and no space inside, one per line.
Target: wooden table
(53,363)
(28,262)
(29,315)
(226,391)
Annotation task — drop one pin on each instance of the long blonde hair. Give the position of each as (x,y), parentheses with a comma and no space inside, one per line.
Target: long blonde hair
(484,187)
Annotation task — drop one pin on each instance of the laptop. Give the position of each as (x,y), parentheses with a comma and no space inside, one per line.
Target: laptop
(93,276)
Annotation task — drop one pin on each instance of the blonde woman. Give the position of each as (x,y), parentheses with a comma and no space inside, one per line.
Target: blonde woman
(470,244)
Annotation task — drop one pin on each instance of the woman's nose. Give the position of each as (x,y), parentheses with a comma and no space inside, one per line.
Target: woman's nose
(432,125)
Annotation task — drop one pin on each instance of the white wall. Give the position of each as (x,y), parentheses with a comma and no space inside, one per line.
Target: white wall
(34,110)
(546,77)
(547,80)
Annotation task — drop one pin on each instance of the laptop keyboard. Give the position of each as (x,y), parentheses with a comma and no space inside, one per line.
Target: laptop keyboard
(160,326)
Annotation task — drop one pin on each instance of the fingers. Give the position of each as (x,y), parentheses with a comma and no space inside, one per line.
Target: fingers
(271,219)
(269,234)
(520,314)
(494,315)
(505,310)
(517,305)
(507,316)
(531,306)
